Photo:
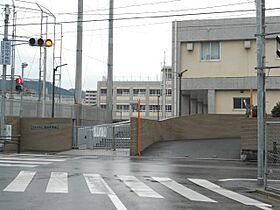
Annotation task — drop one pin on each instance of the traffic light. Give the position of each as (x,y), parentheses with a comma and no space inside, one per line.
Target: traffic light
(19,84)
(48,43)
(278,45)
(39,42)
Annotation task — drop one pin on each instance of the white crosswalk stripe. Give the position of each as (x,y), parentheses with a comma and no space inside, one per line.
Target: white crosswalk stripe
(97,185)
(139,188)
(20,183)
(230,194)
(182,190)
(28,160)
(58,183)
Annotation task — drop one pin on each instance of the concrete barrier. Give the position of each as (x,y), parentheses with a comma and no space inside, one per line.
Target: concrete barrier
(185,128)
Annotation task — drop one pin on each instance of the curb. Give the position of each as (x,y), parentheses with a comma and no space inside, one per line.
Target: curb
(269,194)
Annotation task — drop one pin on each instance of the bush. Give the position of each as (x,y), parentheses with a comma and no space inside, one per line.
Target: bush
(276,110)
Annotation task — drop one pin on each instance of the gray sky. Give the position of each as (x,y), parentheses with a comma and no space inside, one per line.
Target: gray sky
(139,44)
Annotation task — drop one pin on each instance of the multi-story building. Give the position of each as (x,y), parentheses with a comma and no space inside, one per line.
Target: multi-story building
(220,58)
(91,98)
(156,99)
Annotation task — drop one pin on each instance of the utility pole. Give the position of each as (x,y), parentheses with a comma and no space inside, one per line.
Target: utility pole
(3,101)
(44,90)
(109,99)
(260,36)
(78,78)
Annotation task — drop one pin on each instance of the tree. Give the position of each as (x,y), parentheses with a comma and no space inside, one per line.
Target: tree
(276,110)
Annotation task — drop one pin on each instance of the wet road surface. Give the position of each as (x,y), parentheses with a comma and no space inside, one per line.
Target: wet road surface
(95,182)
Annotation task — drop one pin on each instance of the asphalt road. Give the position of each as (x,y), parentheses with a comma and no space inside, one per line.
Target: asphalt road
(30,182)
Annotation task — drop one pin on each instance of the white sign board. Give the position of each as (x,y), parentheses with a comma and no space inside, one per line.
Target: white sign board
(6,52)
(8,132)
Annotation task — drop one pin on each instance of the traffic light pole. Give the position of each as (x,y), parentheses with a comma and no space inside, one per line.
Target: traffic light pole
(53,88)
(3,101)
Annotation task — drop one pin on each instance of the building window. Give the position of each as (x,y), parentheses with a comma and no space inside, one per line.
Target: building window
(168,108)
(168,92)
(210,51)
(122,92)
(124,108)
(103,106)
(155,92)
(103,92)
(154,108)
(137,92)
(135,107)
(241,103)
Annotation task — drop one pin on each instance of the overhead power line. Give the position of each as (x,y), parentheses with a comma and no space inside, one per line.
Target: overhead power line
(151,16)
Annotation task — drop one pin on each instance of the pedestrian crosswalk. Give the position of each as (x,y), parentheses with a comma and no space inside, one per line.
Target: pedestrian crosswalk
(58,183)
(29,160)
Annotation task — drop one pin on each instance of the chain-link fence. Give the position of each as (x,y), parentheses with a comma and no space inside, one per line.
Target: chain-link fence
(272,157)
(106,136)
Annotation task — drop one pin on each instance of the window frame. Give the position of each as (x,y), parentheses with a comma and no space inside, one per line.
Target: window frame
(210,59)
(242,107)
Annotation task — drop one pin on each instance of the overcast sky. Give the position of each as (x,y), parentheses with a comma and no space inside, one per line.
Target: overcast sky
(139,44)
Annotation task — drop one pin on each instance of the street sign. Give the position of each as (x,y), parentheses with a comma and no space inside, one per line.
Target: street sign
(5,58)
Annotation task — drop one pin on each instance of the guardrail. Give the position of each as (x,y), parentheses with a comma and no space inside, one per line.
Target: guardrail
(11,140)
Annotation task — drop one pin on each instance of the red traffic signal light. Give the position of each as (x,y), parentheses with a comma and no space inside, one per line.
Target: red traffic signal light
(19,81)
(19,84)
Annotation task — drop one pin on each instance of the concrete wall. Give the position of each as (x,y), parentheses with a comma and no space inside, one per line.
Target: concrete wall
(185,128)
(41,134)
(46,134)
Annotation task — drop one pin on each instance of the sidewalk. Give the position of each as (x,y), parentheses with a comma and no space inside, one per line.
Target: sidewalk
(98,152)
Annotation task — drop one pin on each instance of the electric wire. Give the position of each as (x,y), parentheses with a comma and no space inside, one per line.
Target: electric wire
(150,17)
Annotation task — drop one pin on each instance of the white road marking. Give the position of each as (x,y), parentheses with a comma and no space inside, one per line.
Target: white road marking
(139,188)
(24,162)
(230,194)
(18,165)
(20,183)
(97,185)
(182,190)
(244,179)
(32,159)
(38,155)
(58,183)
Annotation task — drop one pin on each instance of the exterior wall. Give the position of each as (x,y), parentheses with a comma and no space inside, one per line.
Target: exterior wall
(233,72)
(224,101)
(130,99)
(185,128)
(235,60)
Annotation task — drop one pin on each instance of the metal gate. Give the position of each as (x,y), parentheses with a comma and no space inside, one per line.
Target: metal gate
(106,136)
(272,156)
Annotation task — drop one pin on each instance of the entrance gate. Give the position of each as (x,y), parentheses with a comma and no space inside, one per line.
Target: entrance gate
(106,136)
(272,156)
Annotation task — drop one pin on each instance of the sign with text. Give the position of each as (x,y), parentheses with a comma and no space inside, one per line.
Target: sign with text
(6,52)
(44,127)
